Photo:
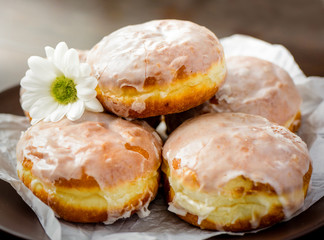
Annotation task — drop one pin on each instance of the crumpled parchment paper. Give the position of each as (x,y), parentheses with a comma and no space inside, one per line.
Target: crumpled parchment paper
(161,224)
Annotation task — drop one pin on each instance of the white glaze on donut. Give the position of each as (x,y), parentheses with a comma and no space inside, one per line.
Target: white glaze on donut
(221,146)
(94,145)
(159,48)
(259,87)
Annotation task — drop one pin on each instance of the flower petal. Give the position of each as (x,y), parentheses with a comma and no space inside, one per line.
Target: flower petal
(42,68)
(59,113)
(71,64)
(29,98)
(27,104)
(35,120)
(59,52)
(31,74)
(25,95)
(93,105)
(85,93)
(49,52)
(76,111)
(43,107)
(32,84)
(88,82)
(85,70)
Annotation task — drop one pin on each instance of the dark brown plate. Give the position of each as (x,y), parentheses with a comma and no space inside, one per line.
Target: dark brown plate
(18,219)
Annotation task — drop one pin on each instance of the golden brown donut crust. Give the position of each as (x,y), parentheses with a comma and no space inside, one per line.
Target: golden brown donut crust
(274,215)
(76,211)
(185,92)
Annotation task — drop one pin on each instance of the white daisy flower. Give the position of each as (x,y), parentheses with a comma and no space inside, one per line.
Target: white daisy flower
(58,86)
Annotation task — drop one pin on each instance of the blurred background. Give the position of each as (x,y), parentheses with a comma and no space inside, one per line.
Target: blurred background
(26,27)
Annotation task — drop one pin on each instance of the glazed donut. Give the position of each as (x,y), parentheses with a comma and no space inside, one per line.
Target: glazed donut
(234,172)
(156,68)
(253,86)
(99,168)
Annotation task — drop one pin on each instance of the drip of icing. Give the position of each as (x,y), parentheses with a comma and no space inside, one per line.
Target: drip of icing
(113,217)
(176,210)
(143,211)
(223,94)
(200,219)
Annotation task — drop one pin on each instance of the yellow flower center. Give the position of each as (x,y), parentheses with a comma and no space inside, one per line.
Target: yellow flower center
(63,90)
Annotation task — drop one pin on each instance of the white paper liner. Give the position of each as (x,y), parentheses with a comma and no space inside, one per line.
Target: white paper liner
(161,224)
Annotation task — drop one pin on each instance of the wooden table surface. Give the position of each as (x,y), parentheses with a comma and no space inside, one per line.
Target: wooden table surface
(27,26)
